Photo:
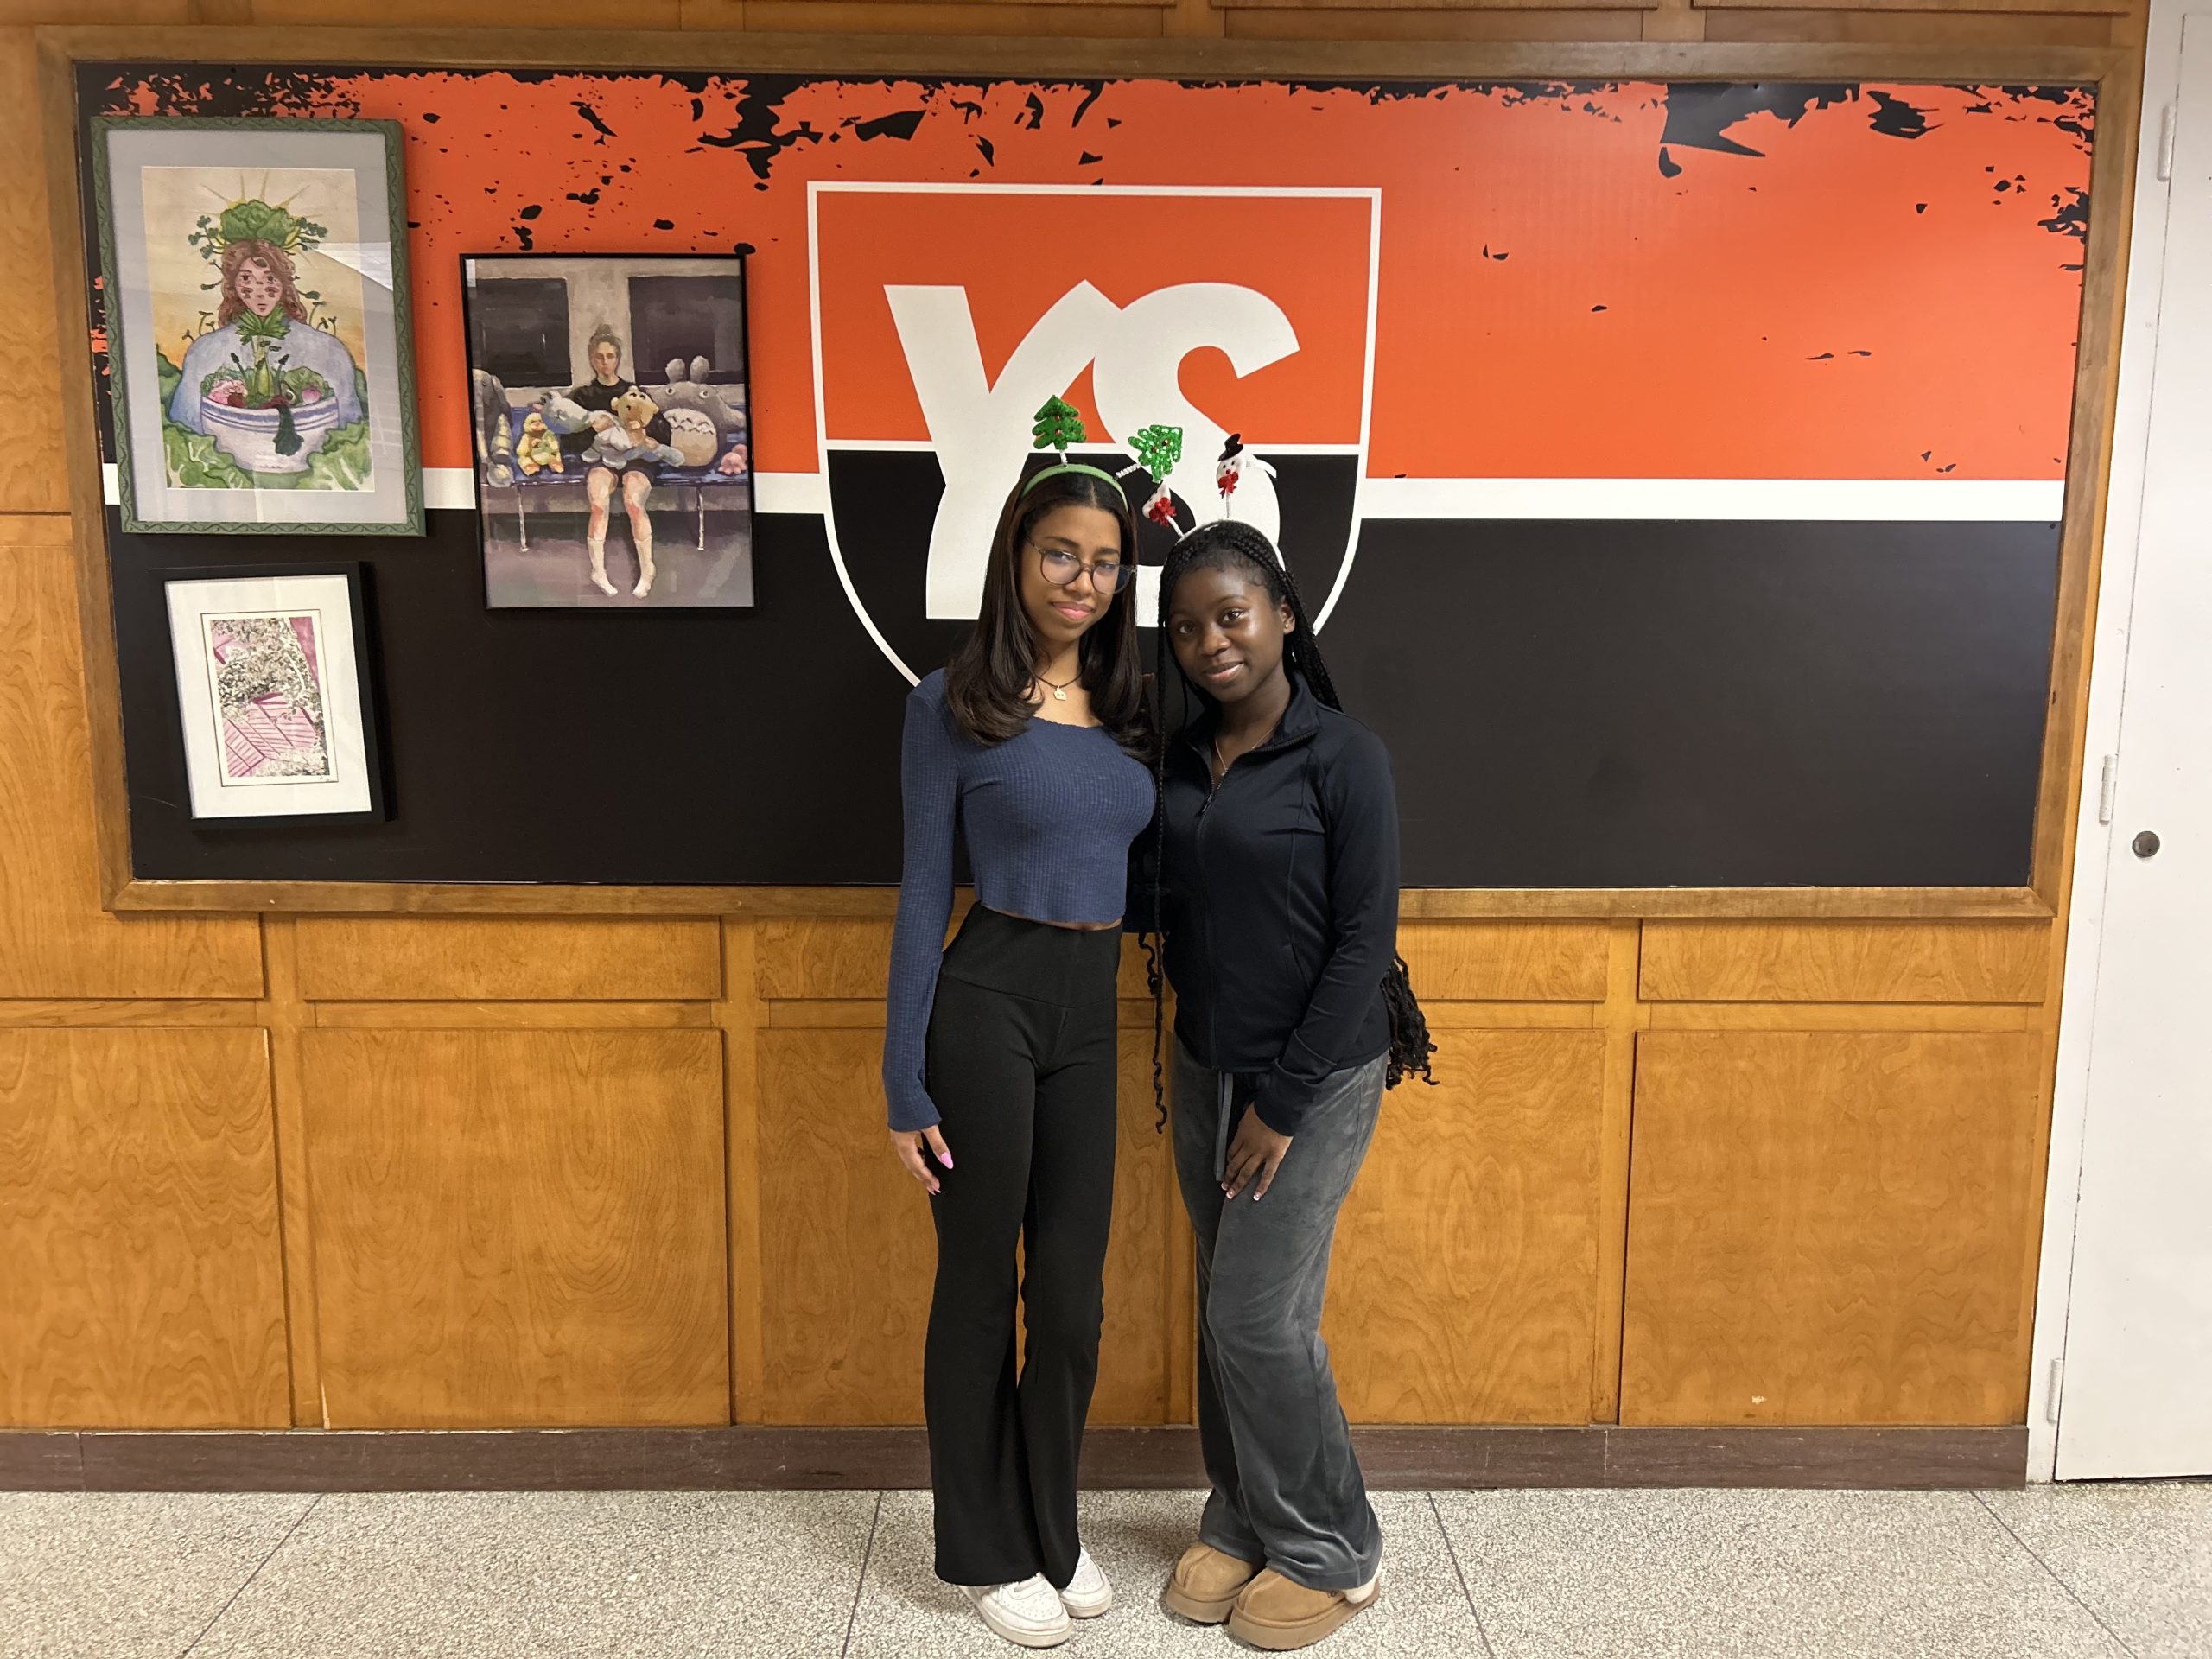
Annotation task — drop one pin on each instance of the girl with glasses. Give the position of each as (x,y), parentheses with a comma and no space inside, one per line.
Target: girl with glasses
(998,1049)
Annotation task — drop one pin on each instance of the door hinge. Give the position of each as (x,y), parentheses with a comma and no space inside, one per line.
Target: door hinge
(2106,785)
(2167,119)
(2051,1397)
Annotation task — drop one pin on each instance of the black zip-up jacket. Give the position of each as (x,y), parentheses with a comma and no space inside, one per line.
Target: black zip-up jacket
(1281,903)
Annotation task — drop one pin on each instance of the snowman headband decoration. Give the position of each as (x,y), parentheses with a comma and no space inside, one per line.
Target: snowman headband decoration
(1160,448)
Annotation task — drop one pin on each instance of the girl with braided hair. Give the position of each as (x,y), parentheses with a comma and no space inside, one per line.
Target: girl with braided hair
(1274,889)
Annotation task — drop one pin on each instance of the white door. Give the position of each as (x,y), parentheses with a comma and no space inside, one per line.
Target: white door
(2136,1395)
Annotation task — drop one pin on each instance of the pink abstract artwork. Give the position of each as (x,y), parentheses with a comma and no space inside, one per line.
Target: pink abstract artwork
(269,691)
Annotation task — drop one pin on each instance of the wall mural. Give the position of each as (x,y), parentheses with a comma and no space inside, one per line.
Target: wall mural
(1478,333)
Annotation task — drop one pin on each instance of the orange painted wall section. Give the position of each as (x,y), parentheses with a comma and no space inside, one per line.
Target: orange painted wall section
(1626,281)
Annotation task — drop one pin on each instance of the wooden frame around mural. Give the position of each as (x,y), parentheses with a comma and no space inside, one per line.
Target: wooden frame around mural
(2110,70)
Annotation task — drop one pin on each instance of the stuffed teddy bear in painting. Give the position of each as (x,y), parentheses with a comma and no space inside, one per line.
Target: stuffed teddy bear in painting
(628,440)
(538,448)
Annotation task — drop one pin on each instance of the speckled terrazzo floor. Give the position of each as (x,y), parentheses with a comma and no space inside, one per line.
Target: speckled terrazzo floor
(2044,1574)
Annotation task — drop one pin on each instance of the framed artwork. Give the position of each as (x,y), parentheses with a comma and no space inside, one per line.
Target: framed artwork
(612,430)
(254,277)
(272,691)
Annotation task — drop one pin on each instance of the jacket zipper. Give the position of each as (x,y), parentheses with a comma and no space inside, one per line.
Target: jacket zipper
(1198,845)
(1205,909)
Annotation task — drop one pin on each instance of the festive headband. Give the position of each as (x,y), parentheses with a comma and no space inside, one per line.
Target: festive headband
(1236,461)
(1159,450)
(1058,427)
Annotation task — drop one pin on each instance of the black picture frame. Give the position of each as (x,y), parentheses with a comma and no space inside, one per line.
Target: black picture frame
(357,576)
(691,575)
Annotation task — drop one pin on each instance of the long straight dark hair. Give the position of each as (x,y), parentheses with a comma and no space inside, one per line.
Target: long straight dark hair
(988,680)
(1229,544)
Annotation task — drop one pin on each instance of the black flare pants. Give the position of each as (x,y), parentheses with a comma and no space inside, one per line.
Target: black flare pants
(1020,1064)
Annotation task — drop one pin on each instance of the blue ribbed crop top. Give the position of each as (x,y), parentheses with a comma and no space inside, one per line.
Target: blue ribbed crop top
(1047,815)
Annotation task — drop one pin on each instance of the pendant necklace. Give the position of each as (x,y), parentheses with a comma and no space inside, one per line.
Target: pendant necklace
(1060,688)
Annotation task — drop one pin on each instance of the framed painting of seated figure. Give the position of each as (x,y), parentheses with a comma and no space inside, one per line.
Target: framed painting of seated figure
(612,430)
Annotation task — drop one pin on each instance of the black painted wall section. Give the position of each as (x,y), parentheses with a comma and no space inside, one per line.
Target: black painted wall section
(1569,704)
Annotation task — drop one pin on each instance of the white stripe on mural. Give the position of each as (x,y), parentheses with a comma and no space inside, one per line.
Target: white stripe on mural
(452,489)
(1819,500)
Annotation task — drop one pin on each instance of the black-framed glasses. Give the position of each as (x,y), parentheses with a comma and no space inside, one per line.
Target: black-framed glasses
(1108,576)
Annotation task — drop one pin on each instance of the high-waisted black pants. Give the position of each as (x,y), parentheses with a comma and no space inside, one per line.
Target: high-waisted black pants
(1020,1065)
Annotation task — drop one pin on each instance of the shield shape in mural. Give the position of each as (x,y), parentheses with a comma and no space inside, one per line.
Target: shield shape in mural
(945,315)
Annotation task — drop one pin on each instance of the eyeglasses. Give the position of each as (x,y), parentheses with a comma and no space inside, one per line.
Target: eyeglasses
(1108,576)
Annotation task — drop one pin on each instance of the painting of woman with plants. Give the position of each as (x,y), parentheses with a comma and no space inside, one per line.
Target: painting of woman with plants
(253,278)
(265,389)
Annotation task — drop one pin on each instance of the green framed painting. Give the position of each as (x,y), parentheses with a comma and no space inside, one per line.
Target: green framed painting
(261,372)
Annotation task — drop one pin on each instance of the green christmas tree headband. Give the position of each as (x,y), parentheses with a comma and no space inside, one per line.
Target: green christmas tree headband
(1159,450)
(1058,426)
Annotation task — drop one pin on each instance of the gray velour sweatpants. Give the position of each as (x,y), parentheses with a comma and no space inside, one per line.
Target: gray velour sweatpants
(1286,1489)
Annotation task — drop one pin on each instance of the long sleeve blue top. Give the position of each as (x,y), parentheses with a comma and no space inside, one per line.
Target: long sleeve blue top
(1047,815)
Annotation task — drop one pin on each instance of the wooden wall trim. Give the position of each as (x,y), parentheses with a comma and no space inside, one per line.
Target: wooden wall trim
(285,1013)
(1625,1013)
(1198,56)
(88,514)
(1416,904)
(740,1015)
(2088,469)
(765,1458)
(1433,5)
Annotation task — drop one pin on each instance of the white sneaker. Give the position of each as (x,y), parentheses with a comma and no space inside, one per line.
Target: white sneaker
(1028,1614)
(1088,1594)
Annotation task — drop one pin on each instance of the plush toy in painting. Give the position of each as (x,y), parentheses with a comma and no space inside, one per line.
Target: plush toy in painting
(536,446)
(603,484)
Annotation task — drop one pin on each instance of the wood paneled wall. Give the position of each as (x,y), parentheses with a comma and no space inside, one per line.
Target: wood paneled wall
(386,1171)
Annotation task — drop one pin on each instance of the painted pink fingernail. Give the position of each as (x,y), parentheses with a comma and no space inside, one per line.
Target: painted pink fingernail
(945,1158)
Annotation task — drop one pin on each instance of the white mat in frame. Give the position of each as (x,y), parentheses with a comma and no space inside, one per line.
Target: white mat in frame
(271,692)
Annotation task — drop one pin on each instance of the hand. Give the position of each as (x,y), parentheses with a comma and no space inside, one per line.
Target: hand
(908,1144)
(1255,1150)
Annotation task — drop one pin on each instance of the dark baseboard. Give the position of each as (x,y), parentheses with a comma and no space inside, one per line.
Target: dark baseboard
(748,1458)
